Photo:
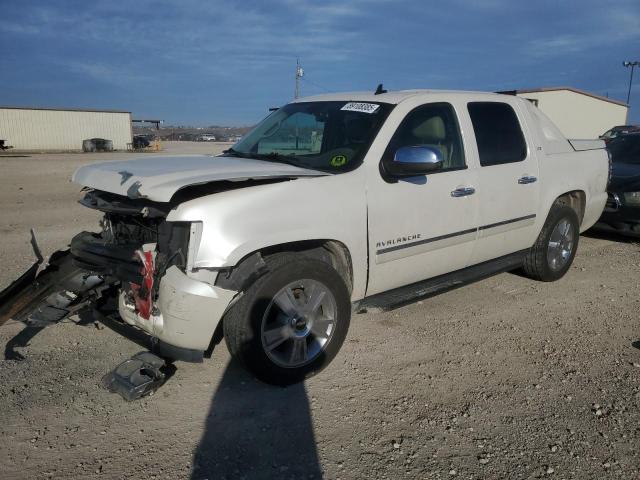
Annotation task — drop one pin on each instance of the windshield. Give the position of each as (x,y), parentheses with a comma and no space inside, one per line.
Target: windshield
(329,136)
(625,149)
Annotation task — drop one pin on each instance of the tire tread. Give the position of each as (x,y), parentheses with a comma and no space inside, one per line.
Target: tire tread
(239,327)
(535,262)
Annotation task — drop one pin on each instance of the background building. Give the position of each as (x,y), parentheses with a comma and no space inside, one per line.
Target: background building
(53,129)
(577,113)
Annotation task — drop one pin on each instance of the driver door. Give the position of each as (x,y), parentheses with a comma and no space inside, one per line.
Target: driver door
(424,226)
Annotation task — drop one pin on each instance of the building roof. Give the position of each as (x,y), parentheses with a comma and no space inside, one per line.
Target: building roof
(7,107)
(571,89)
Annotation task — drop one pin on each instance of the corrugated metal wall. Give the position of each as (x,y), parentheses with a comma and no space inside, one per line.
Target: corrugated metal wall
(31,129)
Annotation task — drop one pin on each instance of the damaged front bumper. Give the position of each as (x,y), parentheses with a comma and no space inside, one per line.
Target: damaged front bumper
(182,317)
(185,314)
(157,292)
(141,262)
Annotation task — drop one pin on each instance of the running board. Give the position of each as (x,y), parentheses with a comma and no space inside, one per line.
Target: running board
(402,296)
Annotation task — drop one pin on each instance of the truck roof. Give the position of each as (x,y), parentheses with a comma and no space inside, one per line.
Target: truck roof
(394,97)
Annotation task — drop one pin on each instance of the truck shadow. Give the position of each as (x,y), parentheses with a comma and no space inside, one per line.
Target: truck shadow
(256,431)
(85,318)
(30,330)
(21,340)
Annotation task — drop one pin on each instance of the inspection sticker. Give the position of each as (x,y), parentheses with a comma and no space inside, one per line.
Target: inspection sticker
(338,161)
(361,107)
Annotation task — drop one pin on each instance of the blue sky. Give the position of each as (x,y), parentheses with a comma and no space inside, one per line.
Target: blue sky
(225,62)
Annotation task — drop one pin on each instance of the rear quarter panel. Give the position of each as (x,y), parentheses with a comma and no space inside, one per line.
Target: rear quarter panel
(561,169)
(585,171)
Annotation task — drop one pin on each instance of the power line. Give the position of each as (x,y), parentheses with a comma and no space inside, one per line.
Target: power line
(300,75)
(318,86)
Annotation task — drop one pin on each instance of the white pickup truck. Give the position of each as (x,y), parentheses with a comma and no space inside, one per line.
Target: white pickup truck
(332,203)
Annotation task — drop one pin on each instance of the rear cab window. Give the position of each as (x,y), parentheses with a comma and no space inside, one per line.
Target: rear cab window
(498,133)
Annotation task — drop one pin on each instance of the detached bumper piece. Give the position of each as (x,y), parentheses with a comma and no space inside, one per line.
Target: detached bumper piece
(51,295)
(137,377)
(92,254)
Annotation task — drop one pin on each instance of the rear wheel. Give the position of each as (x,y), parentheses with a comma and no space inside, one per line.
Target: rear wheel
(554,250)
(290,323)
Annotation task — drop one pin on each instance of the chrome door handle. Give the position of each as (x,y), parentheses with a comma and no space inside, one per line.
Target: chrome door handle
(463,191)
(527,179)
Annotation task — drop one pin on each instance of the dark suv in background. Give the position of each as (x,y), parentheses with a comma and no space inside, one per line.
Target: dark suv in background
(622,212)
(615,132)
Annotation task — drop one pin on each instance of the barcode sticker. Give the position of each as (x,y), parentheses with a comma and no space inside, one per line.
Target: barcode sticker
(361,107)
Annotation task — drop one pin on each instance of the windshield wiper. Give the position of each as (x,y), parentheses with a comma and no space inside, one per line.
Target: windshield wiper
(259,156)
(279,157)
(290,159)
(273,157)
(232,153)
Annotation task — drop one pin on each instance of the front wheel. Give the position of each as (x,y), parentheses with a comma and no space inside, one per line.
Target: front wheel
(552,254)
(290,323)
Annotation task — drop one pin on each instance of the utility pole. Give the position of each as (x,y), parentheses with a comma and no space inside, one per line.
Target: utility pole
(299,74)
(632,65)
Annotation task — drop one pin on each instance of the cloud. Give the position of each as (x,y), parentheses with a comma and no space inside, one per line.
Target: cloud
(560,44)
(484,4)
(20,29)
(118,75)
(202,35)
(617,24)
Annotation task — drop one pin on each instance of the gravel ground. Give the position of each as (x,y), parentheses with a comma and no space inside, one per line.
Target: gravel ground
(506,378)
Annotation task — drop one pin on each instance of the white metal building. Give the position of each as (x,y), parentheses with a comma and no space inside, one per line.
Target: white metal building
(578,114)
(51,129)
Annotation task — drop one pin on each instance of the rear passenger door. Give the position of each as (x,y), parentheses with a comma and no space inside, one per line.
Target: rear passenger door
(507,179)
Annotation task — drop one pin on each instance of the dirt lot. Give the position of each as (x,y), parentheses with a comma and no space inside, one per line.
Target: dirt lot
(506,378)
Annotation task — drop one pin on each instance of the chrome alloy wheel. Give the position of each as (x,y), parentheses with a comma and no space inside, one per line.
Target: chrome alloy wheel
(561,244)
(298,323)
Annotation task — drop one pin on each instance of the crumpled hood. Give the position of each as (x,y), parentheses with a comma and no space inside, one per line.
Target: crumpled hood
(158,178)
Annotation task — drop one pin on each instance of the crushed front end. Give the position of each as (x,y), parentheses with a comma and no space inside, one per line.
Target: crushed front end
(147,258)
(135,247)
(139,262)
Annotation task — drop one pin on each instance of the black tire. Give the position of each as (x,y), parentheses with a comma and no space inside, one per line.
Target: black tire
(243,322)
(537,262)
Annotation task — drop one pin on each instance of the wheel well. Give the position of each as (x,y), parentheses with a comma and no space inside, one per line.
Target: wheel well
(576,200)
(252,266)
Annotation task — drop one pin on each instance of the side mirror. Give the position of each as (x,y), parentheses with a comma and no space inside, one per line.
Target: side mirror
(415,160)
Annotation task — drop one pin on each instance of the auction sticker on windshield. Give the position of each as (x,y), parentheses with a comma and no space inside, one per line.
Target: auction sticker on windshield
(361,107)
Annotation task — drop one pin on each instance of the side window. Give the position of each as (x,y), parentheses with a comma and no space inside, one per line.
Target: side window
(433,125)
(498,133)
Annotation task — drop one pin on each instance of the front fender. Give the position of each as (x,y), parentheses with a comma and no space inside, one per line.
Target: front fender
(239,222)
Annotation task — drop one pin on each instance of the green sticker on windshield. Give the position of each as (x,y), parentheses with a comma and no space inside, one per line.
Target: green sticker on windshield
(338,160)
